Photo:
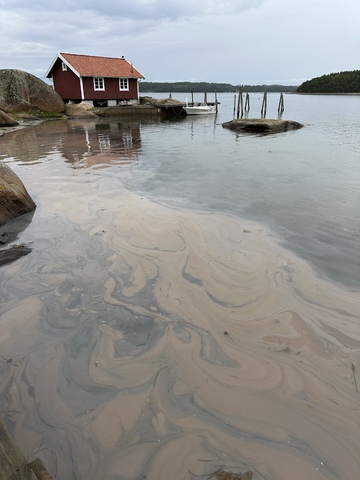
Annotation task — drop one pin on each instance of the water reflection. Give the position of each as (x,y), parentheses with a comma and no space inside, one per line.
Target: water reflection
(100,144)
(82,143)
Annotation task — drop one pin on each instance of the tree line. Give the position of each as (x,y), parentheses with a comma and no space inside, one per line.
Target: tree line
(202,87)
(341,82)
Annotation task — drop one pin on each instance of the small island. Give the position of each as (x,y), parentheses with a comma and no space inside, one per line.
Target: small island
(262,126)
(333,83)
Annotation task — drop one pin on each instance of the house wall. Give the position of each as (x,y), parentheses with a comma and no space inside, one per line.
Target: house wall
(112,90)
(66,84)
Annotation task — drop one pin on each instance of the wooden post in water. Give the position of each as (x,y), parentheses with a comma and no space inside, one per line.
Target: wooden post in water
(205,97)
(192,97)
(247,104)
(240,107)
(216,103)
(234,105)
(281,105)
(264,106)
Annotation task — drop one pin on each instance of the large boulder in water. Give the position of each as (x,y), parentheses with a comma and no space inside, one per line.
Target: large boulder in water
(20,91)
(14,198)
(262,126)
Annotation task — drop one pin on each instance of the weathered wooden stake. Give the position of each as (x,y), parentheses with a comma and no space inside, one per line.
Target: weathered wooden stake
(216,103)
(234,105)
(264,106)
(205,97)
(247,103)
(240,107)
(192,97)
(281,105)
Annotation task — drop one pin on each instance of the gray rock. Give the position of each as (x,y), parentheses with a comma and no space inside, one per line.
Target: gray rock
(261,126)
(79,110)
(6,120)
(14,198)
(11,254)
(20,91)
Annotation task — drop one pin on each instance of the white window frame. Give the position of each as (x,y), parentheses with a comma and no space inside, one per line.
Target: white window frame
(123,84)
(99,84)
(63,66)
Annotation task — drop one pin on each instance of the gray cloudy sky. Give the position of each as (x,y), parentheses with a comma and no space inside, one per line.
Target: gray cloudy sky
(231,41)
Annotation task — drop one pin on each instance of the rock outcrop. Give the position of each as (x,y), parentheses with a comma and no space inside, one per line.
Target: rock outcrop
(261,126)
(20,91)
(14,198)
(79,110)
(159,102)
(6,120)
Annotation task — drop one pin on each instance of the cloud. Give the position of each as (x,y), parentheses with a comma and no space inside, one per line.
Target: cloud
(137,10)
(233,41)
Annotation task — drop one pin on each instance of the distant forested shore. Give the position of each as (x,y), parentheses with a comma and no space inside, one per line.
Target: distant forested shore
(202,87)
(342,82)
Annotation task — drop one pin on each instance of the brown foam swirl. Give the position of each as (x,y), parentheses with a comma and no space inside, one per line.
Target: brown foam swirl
(171,344)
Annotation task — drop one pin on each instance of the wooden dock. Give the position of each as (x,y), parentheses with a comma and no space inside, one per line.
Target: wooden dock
(13,464)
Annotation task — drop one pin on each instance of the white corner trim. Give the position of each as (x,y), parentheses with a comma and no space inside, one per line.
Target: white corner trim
(82,88)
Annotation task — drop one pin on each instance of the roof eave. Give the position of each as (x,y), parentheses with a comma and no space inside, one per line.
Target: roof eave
(47,74)
(59,56)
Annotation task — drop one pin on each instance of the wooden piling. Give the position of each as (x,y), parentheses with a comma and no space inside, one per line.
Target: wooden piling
(205,97)
(216,103)
(264,106)
(247,104)
(234,105)
(281,105)
(240,106)
(192,97)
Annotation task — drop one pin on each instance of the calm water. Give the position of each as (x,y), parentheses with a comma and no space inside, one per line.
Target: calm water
(303,184)
(158,329)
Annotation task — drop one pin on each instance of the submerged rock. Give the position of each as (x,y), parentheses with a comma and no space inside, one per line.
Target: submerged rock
(14,198)
(20,91)
(261,125)
(224,475)
(13,253)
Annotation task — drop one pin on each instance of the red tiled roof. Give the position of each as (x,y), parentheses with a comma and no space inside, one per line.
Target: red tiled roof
(92,66)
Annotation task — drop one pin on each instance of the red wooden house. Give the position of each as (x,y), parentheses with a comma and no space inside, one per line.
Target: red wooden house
(101,81)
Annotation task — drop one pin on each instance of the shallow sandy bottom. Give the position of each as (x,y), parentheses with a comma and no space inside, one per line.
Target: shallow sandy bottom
(151,343)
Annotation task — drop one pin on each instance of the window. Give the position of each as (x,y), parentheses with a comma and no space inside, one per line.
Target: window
(124,84)
(63,66)
(99,83)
